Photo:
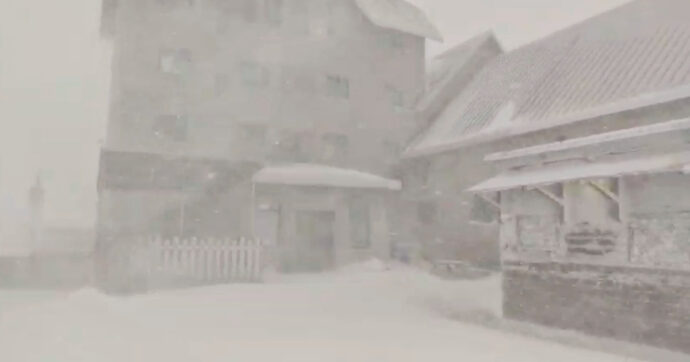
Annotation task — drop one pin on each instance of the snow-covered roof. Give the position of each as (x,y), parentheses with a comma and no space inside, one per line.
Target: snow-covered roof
(444,68)
(575,143)
(630,57)
(441,66)
(583,170)
(321,175)
(399,15)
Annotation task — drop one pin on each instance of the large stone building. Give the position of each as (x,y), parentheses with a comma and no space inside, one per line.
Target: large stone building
(589,127)
(206,92)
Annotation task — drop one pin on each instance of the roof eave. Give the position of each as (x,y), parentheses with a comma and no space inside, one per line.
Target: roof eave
(646,100)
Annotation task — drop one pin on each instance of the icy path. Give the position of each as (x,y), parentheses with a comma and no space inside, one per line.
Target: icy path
(355,315)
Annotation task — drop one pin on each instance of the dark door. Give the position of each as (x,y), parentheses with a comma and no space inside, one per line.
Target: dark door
(314,247)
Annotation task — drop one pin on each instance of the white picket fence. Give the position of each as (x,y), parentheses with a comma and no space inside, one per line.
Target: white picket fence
(196,261)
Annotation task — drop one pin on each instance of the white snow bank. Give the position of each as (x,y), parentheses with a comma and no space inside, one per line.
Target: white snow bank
(368,314)
(371,265)
(321,175)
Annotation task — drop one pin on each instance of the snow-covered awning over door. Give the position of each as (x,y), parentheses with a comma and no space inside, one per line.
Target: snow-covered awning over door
(320,175)
(562,172)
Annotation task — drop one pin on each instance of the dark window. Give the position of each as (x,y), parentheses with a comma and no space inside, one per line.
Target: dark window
(397,97)
(421,170)
(297,15)
(322,19)
(483,211)
(335,147)
(360,222)
(337,86)
(395,41)
(274,11)
(254,75)
(250,10)
(253,133)
(171,127)
(392,149)
(175,61)
(289,147)
(224,16)
(294,79)
(427,212)
(222,83)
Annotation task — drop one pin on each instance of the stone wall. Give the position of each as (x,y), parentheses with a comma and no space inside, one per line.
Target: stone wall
(659,220)
(641,305)
(635,287)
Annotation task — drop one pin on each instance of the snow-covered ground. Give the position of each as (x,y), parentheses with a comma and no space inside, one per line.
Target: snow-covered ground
(363,313)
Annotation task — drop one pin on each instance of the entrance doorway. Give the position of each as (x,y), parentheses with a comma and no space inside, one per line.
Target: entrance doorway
(314,243)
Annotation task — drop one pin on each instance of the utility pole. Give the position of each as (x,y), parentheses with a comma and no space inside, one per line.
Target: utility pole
(36,200)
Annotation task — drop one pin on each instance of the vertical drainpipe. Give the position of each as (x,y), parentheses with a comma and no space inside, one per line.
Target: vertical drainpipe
(182,216)
(252,213)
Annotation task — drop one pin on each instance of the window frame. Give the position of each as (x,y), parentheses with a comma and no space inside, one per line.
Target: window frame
(338,86)
(171,132)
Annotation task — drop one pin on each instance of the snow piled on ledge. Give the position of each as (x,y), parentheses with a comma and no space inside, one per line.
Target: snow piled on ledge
(321,175)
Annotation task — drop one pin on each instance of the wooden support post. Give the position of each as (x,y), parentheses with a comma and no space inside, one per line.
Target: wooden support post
(606,192)
(491,201)
(550,195)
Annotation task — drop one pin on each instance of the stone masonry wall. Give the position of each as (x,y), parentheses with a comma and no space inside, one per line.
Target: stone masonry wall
(641,305)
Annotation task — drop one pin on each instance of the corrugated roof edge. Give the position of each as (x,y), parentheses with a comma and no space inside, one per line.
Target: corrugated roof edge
(471,45)
(600,138)
(641,101)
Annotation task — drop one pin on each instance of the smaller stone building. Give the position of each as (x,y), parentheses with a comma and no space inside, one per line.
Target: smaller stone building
(595,233)
(316,217)
(434,214)
(586,134)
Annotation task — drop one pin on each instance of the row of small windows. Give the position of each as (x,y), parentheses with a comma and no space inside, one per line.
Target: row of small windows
(256,75)
(271,12)
(288,144)
(285,145)
(319,21)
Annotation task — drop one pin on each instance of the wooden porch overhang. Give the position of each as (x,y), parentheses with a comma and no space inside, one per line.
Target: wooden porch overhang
(539,176)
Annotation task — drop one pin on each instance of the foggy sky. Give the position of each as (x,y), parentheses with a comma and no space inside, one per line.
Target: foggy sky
(54,73)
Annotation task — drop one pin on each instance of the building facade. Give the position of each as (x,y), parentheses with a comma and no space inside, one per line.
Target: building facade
(594,233)
(575,148)
(603,74)
(317,217)
(206,92)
